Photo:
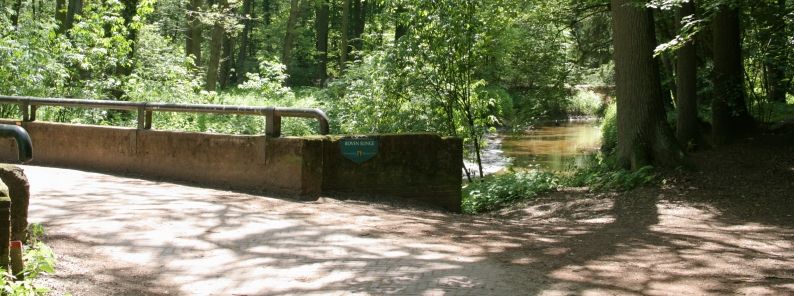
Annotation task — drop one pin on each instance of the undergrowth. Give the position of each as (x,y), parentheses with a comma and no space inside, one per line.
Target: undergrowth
(38,258)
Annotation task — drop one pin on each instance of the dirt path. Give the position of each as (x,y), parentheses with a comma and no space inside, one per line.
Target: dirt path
(725,230)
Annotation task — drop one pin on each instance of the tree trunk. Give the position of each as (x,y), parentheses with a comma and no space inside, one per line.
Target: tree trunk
(321,28)
(17,7)
(344,47)
(289,36)
(193,38)
(644,138)
(686,84)
(776,57)
(227,61)
(75,8)
(216,44)
(400,28)
(267,8)
(128,13)
(358,20)
(242,54)
(730,118)
(60,13)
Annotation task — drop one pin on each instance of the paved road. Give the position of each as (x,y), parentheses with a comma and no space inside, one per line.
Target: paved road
(126,236)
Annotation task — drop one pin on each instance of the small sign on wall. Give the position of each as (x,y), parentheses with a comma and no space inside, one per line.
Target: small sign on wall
(359,150)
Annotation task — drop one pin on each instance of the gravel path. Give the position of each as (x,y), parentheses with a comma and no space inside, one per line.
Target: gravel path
(126,236)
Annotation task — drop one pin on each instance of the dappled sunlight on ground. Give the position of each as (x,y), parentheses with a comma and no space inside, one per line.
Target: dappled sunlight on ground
(128,236)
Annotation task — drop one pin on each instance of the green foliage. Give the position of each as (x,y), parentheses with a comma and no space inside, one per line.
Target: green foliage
(602,173)
(584,103)
(497,191)
(609,129)
(38,258)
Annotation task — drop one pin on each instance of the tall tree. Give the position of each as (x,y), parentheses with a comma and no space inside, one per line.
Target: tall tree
(193,38)
(129,12)
(321,22)
(400,28)
(358,22)
(730,117)
(289,35)
(773,33)
(644,138)
(17,9)
(242,53)
(75,8)
(216,45)
(686,84)
(60,12)
(227,60)
(345,38)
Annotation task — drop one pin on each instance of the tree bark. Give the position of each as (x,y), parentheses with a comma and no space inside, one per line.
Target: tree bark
(193,38)
(242,53)
(60,13)
(358,21)
(17,7)
(400,28)
(216,45)
(227,60)
(686,85)
(289,36)
(321,23)
(345,38)
(267,8)
(776,57)
(75,8)
(644,138)
(730,118)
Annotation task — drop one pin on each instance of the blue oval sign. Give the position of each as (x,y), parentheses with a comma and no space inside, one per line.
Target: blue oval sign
(359,150)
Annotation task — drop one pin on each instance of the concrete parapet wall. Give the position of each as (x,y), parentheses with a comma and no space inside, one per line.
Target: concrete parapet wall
(425,167)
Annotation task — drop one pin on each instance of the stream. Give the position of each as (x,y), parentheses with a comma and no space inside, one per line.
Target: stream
(552,147)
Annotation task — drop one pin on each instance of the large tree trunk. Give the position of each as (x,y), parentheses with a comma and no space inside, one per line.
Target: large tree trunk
(345,38)
(321,28)
(644,138)
(242,53)
(193,38)
(686,85)
(730,118)
(216,44)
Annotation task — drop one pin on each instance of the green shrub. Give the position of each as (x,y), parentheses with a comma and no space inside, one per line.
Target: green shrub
(584,103)
(601,173)
(609,129)
(497,191)
(38,258)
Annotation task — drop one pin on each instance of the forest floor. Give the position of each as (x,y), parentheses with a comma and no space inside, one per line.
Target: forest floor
(726,228)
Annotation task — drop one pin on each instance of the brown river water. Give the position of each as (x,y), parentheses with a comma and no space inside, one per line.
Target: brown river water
(553,147)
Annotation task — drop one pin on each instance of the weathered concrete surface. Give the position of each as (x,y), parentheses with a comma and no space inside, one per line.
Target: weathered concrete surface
(425,167)
(18,189)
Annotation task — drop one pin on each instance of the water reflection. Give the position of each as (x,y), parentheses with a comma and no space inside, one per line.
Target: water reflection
(551,148)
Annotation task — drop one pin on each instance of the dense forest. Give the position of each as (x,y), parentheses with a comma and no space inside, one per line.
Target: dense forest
(685,74)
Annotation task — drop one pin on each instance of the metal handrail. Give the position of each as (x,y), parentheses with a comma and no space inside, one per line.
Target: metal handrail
(24,144)
(273,115)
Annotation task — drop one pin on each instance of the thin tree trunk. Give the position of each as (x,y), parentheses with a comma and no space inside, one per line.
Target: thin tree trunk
(129,13)
(644,138)
(358,21)
(730,117)
(75,8)
(686,84)
(193,38)
(267,8)
(227,60)
(17,7)
(242,54)
(776,61)
(289,36)
(60,13)
(400,28)
(216,45)
(321,28)
(344,47)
